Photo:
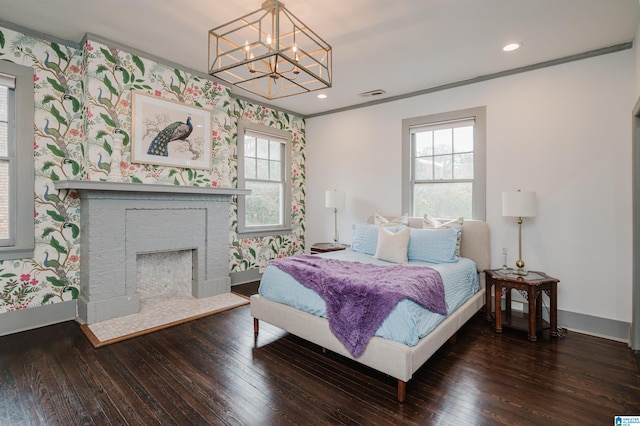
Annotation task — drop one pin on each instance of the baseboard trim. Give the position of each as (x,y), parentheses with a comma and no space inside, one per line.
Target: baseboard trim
(41,316)
(244,277)
(595,326)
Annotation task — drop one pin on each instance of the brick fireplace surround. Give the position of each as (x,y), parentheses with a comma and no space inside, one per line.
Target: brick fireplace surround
(119,221)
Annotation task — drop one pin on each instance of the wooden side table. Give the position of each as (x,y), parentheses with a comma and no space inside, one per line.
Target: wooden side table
(531,287)
(326,247)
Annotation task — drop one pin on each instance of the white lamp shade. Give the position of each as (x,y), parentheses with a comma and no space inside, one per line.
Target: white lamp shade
(519,204)
(334,199)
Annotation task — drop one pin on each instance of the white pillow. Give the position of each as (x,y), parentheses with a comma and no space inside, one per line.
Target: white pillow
(393,247)
(394,221)
(433,223)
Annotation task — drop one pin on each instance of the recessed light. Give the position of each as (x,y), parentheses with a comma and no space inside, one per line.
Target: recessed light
(511,47)
(322,96)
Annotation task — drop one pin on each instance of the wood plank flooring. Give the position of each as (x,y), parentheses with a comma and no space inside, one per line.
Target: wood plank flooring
(210,371)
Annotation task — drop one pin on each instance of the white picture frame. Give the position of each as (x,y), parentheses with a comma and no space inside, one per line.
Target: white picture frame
(153,115)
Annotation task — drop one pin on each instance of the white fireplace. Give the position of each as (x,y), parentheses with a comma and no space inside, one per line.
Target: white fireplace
(121,221)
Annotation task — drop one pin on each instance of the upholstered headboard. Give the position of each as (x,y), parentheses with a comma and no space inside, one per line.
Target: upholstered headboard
(475,243)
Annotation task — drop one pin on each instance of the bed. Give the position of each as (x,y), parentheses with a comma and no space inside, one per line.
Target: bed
(396,359)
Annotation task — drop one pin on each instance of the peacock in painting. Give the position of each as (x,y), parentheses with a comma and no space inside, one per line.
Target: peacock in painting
(173,132)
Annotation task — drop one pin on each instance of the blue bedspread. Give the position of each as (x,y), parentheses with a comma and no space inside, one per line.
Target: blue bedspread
(407,323)
(360,296)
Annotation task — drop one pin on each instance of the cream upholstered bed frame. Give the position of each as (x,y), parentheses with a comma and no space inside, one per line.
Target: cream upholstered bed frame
(395,359)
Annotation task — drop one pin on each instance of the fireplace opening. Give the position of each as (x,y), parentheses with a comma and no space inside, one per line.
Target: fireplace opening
(164,273)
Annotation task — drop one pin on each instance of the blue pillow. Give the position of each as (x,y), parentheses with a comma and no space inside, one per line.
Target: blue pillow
(365,237)
(433,245)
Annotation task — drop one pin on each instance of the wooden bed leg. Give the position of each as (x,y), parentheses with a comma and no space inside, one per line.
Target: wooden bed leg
(402,390)
(256,326)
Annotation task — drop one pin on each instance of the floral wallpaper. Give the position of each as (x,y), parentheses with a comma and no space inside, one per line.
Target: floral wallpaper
(254,253)
(83,131)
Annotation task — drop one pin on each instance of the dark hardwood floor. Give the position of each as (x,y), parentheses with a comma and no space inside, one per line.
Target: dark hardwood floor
(246,289)
(209,371)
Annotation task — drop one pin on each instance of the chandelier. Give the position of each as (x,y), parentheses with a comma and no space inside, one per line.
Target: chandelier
(270,53)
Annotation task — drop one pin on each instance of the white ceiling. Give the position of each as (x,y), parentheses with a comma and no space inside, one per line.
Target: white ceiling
(399,46)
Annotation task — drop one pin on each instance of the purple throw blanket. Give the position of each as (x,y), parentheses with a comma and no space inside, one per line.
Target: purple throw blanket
(360,296)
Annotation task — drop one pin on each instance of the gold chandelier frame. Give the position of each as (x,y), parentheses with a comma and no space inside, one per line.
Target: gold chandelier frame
(271,53)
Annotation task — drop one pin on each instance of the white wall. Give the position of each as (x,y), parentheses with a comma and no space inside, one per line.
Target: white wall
(564,132)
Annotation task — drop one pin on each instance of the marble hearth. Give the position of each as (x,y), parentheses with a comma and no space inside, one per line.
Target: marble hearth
(120,221)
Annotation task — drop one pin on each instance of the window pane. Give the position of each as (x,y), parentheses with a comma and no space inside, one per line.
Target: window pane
(262,169)
(442,141)
(263,148)
(463,166)
(274,150)
(443,169)
(249,146)
(263,205)
(463,139)
(423,143)
(423,168)
(249,168)
(275,170)
(4,200)
(445,200)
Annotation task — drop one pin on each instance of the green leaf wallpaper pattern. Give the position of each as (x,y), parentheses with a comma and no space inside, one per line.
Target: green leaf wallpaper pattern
(83,131)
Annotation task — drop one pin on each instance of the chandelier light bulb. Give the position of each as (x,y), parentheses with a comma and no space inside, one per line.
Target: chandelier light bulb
(251,66)
(269,39)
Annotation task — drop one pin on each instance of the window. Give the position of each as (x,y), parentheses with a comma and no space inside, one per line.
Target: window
(16,162)
(264,168)
(444,164)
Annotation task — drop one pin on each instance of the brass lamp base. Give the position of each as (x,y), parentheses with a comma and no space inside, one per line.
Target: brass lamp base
(520,263)
(336,242)
(520,267)
(520,271)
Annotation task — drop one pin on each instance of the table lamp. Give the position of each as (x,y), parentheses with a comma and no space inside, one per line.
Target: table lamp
(335,200)
(519,204)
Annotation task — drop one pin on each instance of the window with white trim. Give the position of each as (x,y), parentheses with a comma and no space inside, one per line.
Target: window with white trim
(264,168)
(16,161)
(444,164)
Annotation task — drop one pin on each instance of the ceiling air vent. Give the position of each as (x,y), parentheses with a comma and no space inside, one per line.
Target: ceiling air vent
(376,92)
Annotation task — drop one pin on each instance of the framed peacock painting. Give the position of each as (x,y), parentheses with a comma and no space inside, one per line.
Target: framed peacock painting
(169,133)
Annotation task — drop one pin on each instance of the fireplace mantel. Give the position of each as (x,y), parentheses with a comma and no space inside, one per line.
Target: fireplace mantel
(87,185)
(120,221)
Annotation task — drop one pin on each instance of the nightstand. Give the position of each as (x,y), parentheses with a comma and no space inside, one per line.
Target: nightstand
(326,247)
(531,287)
